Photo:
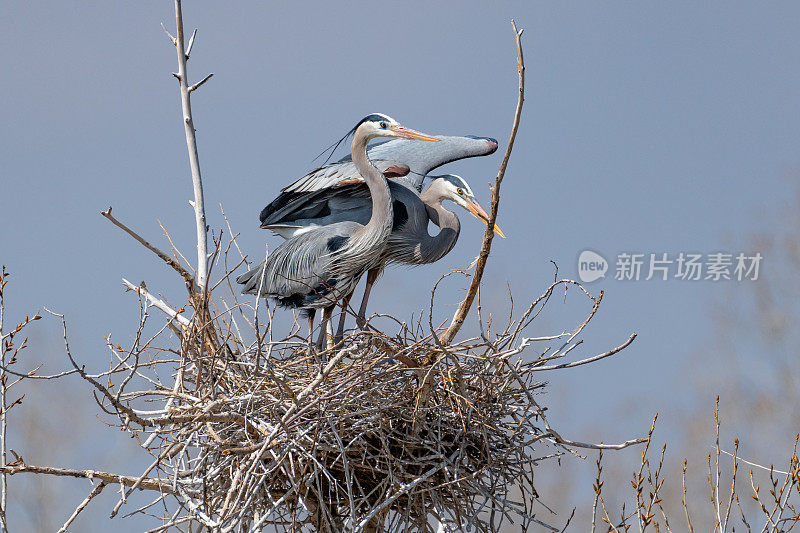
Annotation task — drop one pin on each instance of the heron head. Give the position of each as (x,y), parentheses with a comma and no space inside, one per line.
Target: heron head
(376,125)
(456,189)
(380,125)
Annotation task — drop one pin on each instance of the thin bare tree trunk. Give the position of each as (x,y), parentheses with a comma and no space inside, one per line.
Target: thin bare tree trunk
(486,246)
(3,390)
(191,144)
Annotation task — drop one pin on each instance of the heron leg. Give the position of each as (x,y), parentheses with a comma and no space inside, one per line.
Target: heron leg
(310,318)
(323,341)
(329,329)
(340,330)
(361,319)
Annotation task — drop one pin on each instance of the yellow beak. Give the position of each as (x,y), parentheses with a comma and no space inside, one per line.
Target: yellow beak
(408,133)
(480,213)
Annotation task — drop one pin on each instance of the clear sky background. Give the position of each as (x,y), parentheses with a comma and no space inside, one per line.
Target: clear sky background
(647,128)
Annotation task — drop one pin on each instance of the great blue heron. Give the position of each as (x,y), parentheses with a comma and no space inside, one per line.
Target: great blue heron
(410,243)
(306,203)
(331,194)
(313,270)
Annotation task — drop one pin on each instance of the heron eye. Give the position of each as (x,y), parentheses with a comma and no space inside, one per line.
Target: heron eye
(384,125)
(460,191)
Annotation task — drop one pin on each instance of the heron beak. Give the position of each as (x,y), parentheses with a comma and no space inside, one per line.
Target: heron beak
(408,133)
(480,213)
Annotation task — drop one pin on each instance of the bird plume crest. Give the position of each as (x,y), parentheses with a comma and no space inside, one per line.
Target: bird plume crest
(332,148)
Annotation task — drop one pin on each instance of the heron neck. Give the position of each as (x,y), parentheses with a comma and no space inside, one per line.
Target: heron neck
(433,248)
(380,223)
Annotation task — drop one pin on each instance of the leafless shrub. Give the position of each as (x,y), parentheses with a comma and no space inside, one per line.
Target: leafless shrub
(775,510)
(10,348)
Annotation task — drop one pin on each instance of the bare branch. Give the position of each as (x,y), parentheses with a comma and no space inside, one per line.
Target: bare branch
(486,246)
(157,302)
(3,403)
(200,83)
(191,44)
(588,360)
(169,35)
(577,444)
(598,488)
(194,160)
(108,477)
(185,274)
(103,390)
(756,465)
(97,489)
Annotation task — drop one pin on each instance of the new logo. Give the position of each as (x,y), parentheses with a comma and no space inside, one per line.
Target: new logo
(591,266)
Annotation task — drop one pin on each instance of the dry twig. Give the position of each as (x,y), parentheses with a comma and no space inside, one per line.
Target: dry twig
(486,246)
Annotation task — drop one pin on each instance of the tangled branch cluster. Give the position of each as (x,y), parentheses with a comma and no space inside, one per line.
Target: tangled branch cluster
(391,433)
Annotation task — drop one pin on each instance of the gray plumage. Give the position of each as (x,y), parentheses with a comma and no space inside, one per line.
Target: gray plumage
(421,158)
(333,193)
(410,243)
(313,270)
(310,204)
(322,196)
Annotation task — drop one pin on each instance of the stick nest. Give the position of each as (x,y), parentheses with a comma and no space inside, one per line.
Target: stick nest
(380,433)
(386,433)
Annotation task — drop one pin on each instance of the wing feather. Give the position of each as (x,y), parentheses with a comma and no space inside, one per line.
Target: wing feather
(307,197)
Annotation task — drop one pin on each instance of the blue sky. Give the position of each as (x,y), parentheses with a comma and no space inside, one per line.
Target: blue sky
(647,128)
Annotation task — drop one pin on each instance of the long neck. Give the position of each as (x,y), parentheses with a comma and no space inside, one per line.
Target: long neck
(434,248)
(380,223)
